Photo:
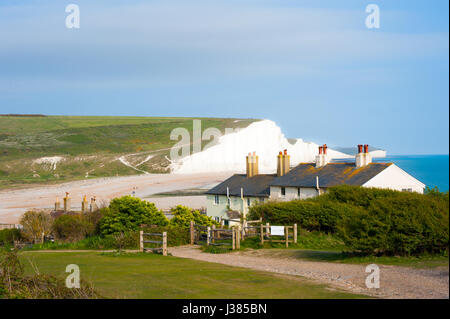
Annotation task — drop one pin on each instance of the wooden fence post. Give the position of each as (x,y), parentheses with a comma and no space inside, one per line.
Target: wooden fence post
(262,234)
(208,235)
(267,229)
(295,233)
(191,231)
(238,237)
(233,241)
(141,241)
(286,231)
(164,244)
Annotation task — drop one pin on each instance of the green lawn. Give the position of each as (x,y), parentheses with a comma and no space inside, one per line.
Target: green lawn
(155,276)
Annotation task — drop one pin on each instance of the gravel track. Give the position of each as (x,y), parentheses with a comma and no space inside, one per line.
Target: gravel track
(395,282)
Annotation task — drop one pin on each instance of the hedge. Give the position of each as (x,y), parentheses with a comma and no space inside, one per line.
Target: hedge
(370,220)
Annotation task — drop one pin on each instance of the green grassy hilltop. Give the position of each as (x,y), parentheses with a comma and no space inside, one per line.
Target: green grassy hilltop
(89,147)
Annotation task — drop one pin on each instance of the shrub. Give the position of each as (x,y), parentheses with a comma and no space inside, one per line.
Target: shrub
(308,214)
(407,224)
(8,236)
(71,228)
(128,213)
(35,224)
(370,220)
(182,216)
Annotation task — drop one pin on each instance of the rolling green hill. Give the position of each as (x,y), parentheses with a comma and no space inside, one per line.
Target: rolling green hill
(50,149)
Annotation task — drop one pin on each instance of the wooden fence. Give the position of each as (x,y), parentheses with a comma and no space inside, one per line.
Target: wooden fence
(265,234)
(162,242)
(212,236)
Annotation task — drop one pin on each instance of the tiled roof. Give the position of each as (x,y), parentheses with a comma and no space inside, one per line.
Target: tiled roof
(256,186)
(332,174)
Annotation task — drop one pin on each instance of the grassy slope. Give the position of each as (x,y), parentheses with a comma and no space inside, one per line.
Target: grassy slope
(155,276)
(88,144)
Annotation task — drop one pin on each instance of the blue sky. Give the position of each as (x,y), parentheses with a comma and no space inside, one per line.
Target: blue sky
(311,66)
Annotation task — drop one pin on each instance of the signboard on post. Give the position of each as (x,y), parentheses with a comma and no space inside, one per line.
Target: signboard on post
(277,230)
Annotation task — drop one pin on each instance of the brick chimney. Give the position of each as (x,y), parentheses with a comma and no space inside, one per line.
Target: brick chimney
(286,162)
(363,158)
(280,164)
(252,165)
(322,159)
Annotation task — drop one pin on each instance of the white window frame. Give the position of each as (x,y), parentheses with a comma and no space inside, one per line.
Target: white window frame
(216,200)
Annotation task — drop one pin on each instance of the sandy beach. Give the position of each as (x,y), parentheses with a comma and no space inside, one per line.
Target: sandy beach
(13,203)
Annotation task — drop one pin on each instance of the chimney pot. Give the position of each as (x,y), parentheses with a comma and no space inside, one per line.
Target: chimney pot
(366,148)
(320,149)
(324,147)
(285,152)
(360,147)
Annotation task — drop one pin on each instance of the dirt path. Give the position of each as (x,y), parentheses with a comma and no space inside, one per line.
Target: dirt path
(395,281)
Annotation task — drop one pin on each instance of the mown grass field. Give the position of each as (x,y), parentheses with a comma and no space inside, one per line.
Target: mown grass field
(154,276)
(90,146)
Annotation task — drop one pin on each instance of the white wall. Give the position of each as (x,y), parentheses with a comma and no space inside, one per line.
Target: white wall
(220,210)
(292,193)
(395,178)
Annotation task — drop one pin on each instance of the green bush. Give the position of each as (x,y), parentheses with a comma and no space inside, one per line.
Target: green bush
(370,220)
(406,224)
(8,236)
(128,213)
(71,228)
(182,216)
(308,214)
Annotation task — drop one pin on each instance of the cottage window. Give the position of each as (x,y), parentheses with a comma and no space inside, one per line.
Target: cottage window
(248,201)
(283,191)
(216,199)
(298,192)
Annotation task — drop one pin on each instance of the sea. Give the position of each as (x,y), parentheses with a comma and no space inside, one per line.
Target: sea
(432,170)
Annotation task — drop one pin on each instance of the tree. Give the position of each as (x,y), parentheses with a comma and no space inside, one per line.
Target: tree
(72,228)
(128,213)
(182,216)
(35,225)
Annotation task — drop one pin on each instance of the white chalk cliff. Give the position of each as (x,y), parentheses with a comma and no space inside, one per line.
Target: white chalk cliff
(263,137)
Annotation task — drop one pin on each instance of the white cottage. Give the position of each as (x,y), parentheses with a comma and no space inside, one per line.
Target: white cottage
(236,194)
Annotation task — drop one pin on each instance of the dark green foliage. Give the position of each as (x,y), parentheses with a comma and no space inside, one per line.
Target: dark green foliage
(308,214)
(128,213)
(8,236)
(370,220)
(70,228)
(405,224)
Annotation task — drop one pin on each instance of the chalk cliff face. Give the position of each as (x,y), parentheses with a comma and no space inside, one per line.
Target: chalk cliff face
(263,137)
